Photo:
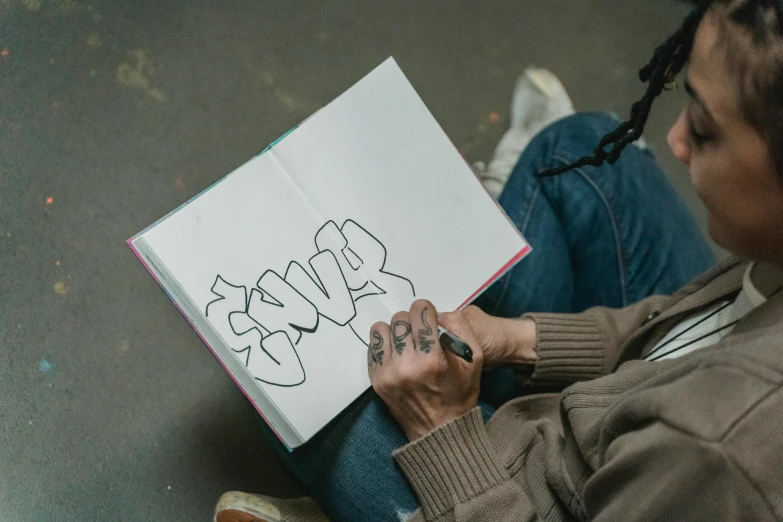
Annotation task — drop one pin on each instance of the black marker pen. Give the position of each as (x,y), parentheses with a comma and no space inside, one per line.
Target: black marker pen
(455,345)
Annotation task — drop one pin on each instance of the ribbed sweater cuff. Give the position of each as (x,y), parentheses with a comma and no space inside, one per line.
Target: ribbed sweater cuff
(451,464)
(570,348)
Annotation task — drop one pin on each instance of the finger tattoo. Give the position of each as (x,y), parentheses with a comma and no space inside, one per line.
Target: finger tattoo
(399,335)
(375,351)
(425,345)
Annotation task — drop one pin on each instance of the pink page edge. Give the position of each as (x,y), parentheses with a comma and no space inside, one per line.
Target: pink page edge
(513,261)
(181,311)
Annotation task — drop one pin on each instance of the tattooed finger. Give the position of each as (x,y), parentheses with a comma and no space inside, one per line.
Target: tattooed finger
(401,332)
(380,335)
(424,320)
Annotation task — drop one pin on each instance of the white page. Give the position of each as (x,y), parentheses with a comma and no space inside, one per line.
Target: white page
(377,157)
(252,222)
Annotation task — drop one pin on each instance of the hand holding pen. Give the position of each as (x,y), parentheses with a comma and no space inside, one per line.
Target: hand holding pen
(426,375)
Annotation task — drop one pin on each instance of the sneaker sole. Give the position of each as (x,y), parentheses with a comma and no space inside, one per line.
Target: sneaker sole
(252,505)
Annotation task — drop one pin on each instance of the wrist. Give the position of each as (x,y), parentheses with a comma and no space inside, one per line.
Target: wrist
(417,430)
(520,342)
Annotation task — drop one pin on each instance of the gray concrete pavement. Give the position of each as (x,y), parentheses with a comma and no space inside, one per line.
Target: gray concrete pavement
(110,406)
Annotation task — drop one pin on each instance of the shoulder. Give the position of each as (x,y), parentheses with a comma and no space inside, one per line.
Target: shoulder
(667,474)
(719,417)
(702,394)
(713,397)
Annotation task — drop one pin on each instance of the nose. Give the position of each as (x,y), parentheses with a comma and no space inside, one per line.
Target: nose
(678,139)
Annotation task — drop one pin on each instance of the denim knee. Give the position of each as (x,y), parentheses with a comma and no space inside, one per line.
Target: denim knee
(572,137)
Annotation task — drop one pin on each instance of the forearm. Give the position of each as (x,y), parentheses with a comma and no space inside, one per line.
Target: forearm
(517,343)
(560,348)
(584,346)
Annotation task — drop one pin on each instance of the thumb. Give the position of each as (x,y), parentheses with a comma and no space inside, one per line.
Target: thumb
(458,324)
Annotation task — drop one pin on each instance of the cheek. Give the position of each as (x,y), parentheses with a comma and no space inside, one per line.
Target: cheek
(703,179)
(723,185)
(717,193)
(738,207)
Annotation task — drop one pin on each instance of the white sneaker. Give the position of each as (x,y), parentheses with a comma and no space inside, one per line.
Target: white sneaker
(539,100)
(236,506)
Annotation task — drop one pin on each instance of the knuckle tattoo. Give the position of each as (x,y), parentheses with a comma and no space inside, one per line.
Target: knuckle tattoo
(400,330)
(375,351)
(425,344)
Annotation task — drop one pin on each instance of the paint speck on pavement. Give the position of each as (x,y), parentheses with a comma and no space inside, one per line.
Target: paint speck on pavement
(60,288)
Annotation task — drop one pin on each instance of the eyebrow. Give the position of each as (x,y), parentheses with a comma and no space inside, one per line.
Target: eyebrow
(695,96)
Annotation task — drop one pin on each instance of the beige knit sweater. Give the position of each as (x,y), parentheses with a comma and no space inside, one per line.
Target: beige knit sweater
(694,438)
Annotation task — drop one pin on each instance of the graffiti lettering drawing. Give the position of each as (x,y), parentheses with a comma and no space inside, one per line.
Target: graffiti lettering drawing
(263,327)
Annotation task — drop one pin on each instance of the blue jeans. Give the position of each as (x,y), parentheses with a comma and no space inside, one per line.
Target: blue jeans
(605,236)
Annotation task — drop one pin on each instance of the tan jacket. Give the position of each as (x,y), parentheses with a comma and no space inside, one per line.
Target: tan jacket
(699,437)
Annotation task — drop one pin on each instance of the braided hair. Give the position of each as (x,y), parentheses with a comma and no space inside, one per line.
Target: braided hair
(667,61)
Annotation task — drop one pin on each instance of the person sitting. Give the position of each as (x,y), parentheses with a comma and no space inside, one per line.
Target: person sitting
(667,392)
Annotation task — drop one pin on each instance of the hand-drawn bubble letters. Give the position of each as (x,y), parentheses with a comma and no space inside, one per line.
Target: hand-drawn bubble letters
(262,328)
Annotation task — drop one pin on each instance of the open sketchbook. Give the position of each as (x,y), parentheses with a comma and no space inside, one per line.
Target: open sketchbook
(283,266)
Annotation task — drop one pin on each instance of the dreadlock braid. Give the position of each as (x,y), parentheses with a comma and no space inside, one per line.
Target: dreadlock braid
(667,61)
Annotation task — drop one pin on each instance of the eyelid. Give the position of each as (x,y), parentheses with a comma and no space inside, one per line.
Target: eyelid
(693,97)
(695,137)
(691,119)
(699,140)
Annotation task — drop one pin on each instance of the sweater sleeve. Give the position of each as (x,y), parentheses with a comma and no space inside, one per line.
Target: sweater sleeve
(458,477)
(584,346)
(662,473)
